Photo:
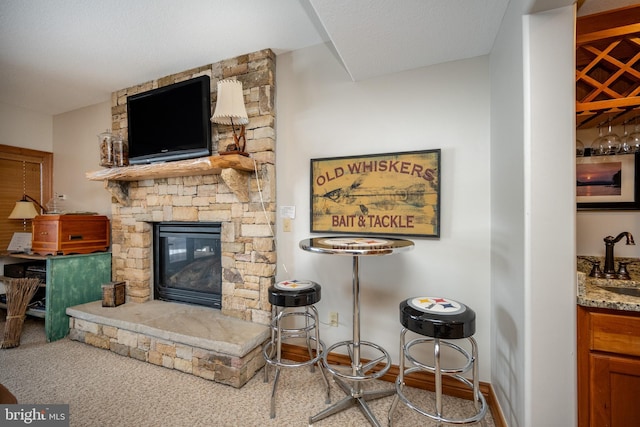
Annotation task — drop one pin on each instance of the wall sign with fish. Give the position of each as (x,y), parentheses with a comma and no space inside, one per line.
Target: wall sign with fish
(392,193)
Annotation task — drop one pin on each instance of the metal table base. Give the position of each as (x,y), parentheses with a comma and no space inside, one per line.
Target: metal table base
(353,398)
(355,394)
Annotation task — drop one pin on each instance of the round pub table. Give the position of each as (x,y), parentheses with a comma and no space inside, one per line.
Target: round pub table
(358,372)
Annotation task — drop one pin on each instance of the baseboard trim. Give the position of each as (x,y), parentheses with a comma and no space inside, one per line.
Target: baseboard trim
(422,380)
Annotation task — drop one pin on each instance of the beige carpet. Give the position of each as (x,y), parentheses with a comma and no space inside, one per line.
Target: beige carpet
(105,389)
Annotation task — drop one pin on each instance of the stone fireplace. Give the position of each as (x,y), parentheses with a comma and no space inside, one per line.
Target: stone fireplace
(223,195)
(235,193)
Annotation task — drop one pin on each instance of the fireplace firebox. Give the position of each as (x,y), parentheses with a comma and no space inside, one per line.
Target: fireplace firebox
(187,263)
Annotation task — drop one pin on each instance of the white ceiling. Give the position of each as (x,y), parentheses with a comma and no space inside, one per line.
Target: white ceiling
(57,56)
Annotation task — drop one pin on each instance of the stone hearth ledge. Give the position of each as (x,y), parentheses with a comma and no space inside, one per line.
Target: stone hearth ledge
(196,340)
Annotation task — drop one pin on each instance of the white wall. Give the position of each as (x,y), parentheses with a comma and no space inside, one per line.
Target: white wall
(507,218)
(322,113)
(75,144)
(533,218)
(26,129)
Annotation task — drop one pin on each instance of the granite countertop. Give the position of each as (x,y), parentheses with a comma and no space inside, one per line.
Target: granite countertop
(591,293)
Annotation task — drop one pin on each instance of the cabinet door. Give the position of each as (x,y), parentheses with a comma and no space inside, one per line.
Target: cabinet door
(615,391)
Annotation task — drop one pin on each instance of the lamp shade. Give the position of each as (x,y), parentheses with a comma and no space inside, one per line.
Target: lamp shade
(230,109)
(24,209)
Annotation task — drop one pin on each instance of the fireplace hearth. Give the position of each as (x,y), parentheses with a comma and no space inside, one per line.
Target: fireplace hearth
(187,263)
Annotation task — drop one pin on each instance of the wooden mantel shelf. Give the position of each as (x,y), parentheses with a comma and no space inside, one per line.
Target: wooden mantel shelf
(232,168)
(212,165)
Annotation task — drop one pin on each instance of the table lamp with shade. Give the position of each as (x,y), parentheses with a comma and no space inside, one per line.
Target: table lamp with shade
(24,208)
(230,110)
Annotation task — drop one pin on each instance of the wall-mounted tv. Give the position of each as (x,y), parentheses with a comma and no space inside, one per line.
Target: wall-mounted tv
(171,122)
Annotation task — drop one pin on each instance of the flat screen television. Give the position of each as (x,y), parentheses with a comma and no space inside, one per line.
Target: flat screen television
(171,122)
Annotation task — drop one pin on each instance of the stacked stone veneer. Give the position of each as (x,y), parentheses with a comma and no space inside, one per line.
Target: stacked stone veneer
(247,240)
(212,365)
(248,250)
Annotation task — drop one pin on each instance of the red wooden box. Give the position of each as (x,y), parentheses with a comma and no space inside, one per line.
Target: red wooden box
(70,234)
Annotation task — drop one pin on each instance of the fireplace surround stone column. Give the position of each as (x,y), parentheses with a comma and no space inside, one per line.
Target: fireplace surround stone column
(247,236)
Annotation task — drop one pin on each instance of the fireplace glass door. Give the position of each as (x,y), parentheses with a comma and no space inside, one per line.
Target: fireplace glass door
(187,263)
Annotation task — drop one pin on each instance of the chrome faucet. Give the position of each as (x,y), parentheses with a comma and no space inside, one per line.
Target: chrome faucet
(609,242)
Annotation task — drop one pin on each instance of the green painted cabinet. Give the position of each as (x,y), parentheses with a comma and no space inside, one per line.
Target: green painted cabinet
(72,280)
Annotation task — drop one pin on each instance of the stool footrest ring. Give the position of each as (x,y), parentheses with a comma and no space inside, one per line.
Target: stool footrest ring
(364,373)
(266,351)
(480,412)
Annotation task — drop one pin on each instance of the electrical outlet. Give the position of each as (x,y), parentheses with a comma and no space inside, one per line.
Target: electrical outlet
(286,224)
(333,318)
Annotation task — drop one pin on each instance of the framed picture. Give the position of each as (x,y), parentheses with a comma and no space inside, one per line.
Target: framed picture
(393,193)
(608,182)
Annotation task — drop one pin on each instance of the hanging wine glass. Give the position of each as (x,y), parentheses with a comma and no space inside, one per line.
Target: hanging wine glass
(597,147)
(634,139)
(625,147)
(611,142)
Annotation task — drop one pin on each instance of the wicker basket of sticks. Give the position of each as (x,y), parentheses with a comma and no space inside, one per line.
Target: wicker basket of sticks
(19,294)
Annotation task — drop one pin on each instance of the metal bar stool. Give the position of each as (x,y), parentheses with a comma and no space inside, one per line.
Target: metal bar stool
(301,294)
(438,319)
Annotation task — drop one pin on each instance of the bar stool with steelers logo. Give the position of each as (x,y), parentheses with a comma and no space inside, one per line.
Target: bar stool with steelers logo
(289,326)
(437,321)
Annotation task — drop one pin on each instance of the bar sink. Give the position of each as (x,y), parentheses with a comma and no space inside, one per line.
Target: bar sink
(634,292)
